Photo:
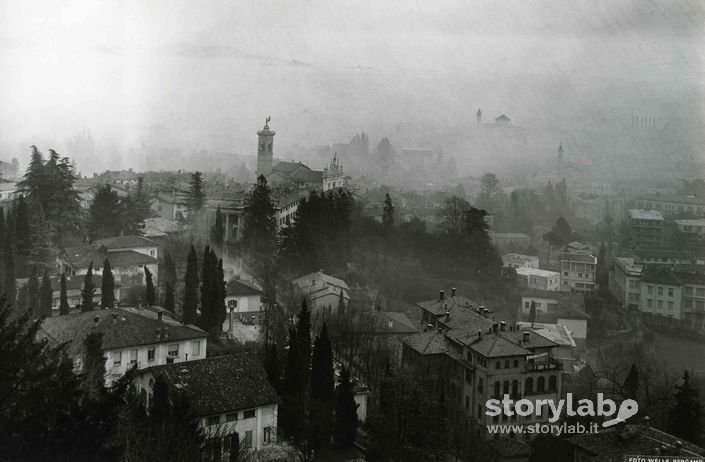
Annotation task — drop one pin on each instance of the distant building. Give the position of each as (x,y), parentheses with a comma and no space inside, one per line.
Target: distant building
(160,227)
(578,268)
(7,192)
(646,227)
(230,395)
(321,290)
(503,120)
(131,336)
(517,260)
(333,175)
(172,204)
(535,278)
(566,308)
(679,295)
(128,256)
(9,171)
(673,204)
(624,281)
(243,302)
(668,257)
(510,241)
(74,285)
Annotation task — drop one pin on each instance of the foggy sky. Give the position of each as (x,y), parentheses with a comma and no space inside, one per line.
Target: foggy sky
(207,73)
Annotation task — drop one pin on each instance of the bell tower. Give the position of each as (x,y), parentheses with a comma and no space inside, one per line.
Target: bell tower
(265,149)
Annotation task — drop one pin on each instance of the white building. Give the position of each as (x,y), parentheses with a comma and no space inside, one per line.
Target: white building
(243,302)
(229,394)
(131,336)
(578,270)
(625,281)
(566,308)
(333,175)
(535,278)
(517,260)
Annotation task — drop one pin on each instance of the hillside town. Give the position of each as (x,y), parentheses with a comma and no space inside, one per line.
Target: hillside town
(374,232)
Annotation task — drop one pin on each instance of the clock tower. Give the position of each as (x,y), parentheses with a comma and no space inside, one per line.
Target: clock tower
(265,149)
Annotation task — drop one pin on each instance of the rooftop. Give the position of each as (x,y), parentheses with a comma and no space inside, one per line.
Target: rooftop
(121,328)
(155,227)
(81,257)
(431,342)
(698,222)
(392,322)
(125,242)
(641,214)
(675,198)
(236,287)
(447,304)
(221,383)
(536,272)
(571,305)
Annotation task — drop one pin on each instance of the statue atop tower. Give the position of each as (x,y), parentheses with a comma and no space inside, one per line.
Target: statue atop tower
(265,149)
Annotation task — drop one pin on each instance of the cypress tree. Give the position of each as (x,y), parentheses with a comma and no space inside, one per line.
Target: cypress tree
(631,383)
(88,290)
(219,296)
(293,408)
(686,414)
(150,296)
(322,390)
(218,230)
(197,195)
(259,235)
(303,334)
(387,215)
(9,281)
(271,366)
(63,298)
(45,295)
(345,430)
(532,313)
(191,288)
(169,270)
(107,286)
(33,293)
(206,321)
(169,297)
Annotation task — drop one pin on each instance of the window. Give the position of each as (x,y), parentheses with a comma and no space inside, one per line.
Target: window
(699,305)
(516,363)
(150,354)
(670,306)
(213,420)
(133,357)
(498,365)
(700,292)
(515,387)
(529,385)
(688,303)
(552,383)
(249,414)
(247,440)
(649,303)
(670,292)
(688,290)
(505,387)
(117,358)
(196,348)
(565,273)
(527,305)
(151,253)
(173,350)
(232,417)
(541,384)
(660,290)
(650,290)
(267,434)
(496,389)
(659,304)
(480,385)
(506,364)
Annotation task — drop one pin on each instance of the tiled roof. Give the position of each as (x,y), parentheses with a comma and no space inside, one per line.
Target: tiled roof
(663,276)
(438,306)
(509,447)
(155,227)
(581,256)
(121,328)
(82,257)
(220,384)
(691,278)
(236,287)
(557,333)
(395,323)
(611,445)
(125,242)
(524,271)
(428,343)
(318,284)
(571,305)
(496,346)
(641,214)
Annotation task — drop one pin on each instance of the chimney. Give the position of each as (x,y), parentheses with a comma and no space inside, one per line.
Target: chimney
(442,295)
(452,292)
(166,333)
(525,337)
(96,320)
(479,334)
(495,327)
(502,326)
(647,421)
(158,334)
(447,316)
(160,316)
(679,447)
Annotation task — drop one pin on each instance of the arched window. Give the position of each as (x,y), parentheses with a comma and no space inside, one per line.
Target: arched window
(541,385)
(498,365)
(529,385)
(496,389)
(552,383)
(506,364)
(516,363)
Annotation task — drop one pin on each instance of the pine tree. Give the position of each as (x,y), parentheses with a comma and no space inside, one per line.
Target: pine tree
(191,288)
(197,193)
(45,296)
(345,431)
(218,230)
(63,297)
(686,414)
(387,215)
(102,212)
(259,234)
(107,288)
(322,390)
(88,290)
(150,295)
(41,253)
(33,293)
(169,298)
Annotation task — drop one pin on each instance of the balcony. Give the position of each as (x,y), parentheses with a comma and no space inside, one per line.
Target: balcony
(548,364)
